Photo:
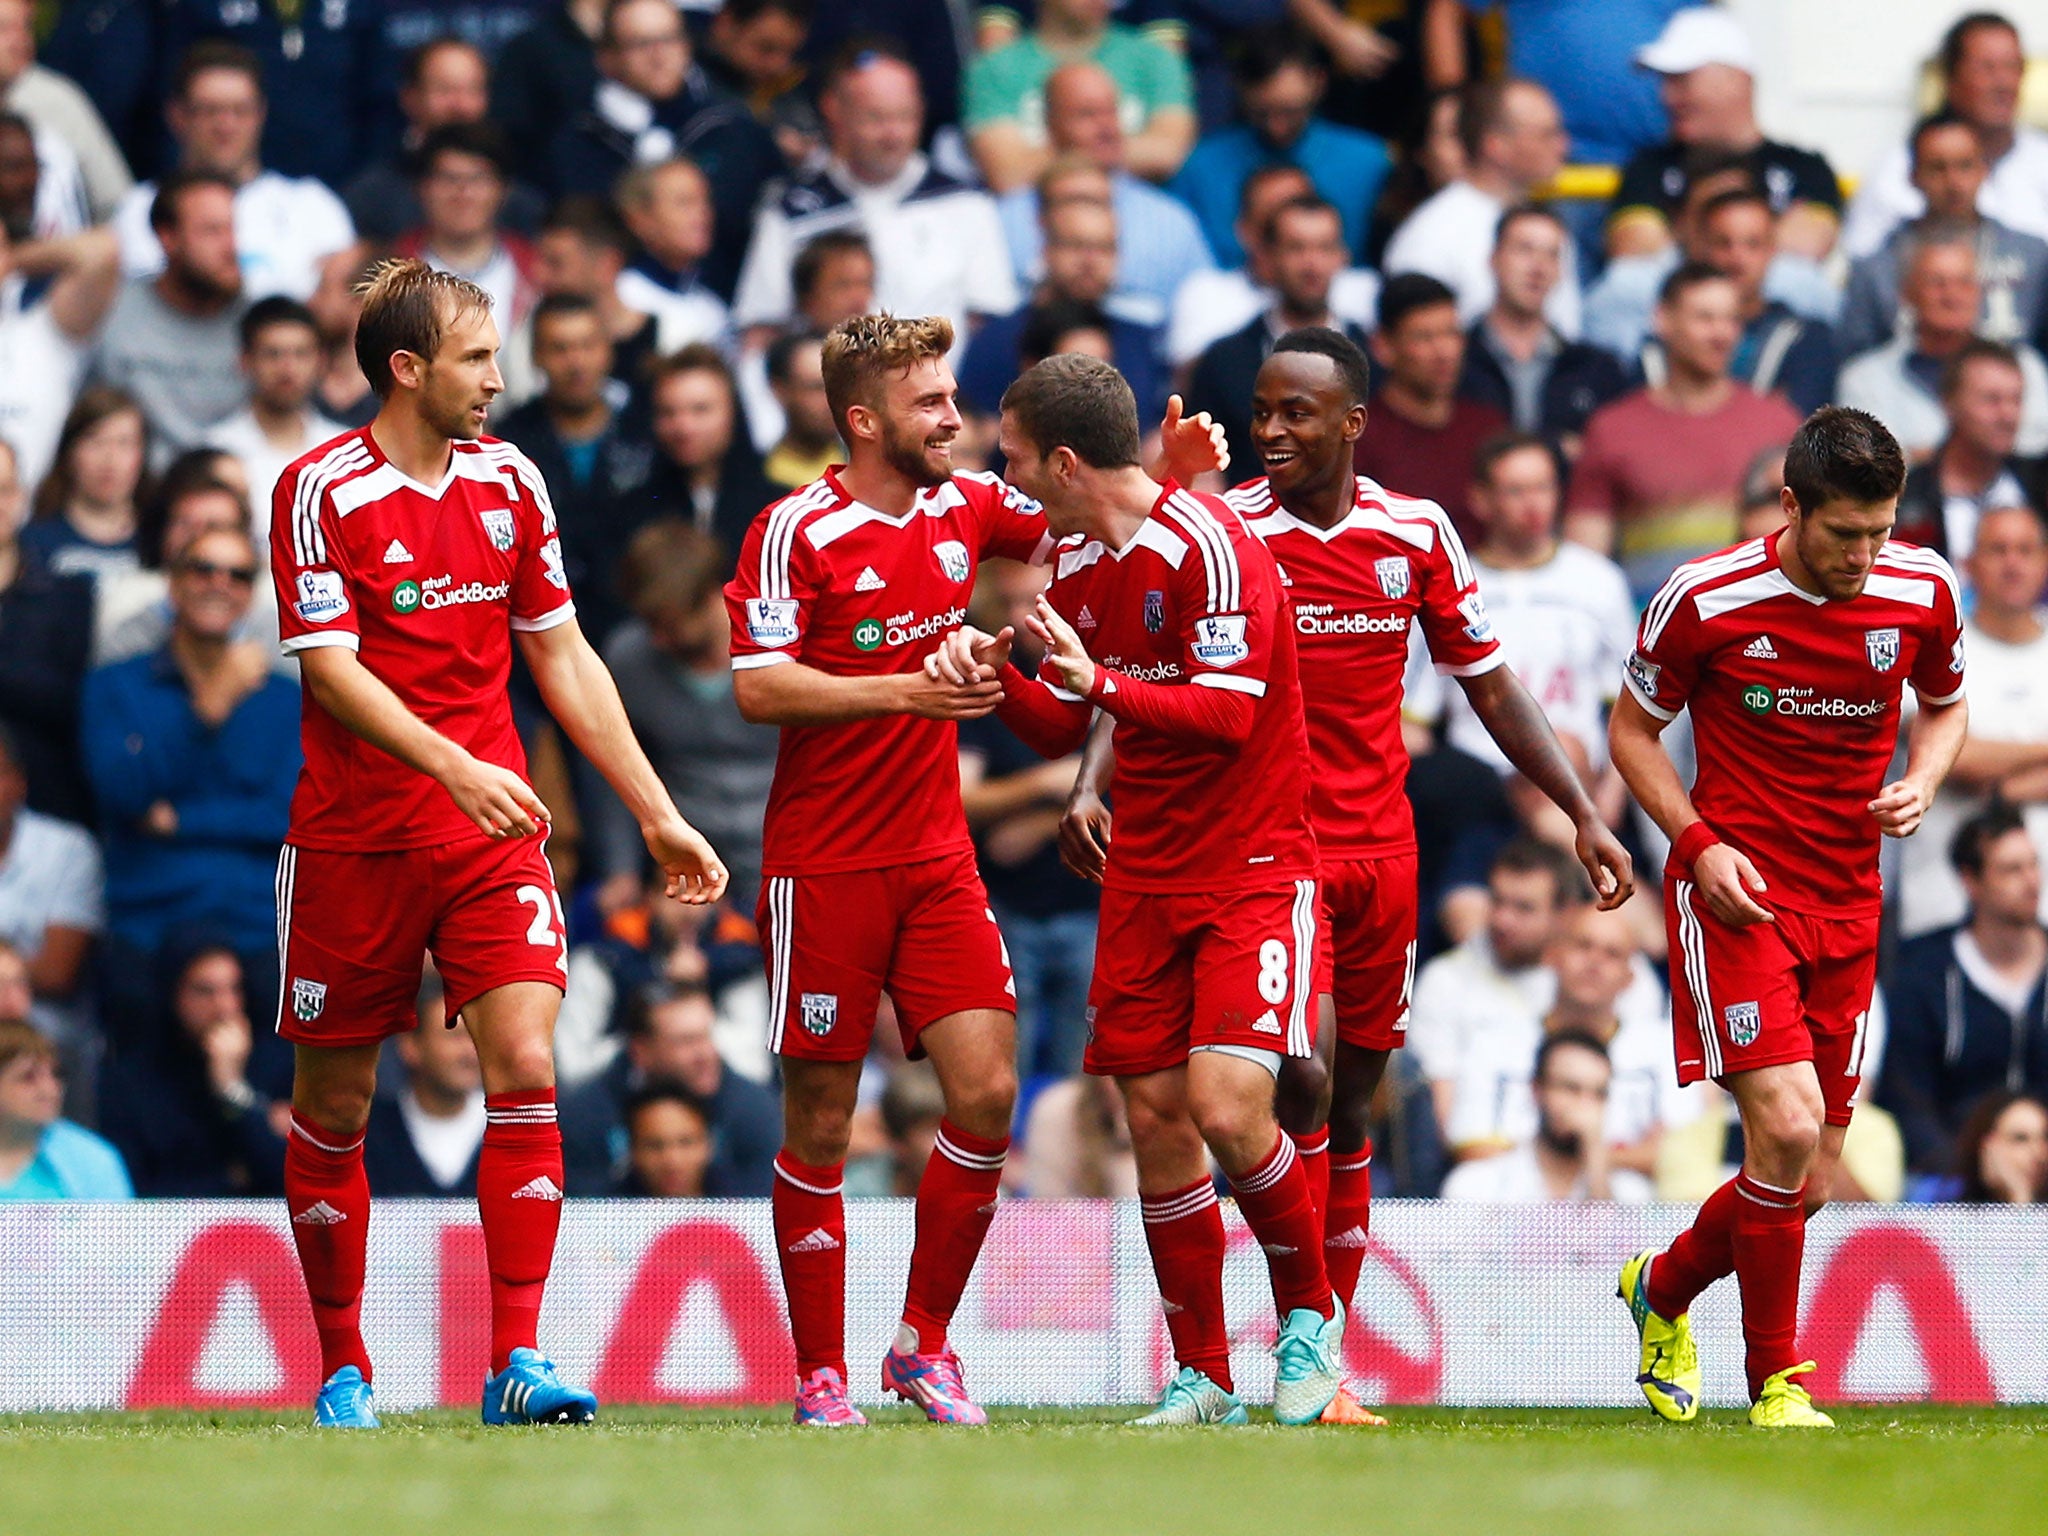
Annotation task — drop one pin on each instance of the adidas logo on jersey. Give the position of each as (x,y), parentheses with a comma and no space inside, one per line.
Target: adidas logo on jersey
(539,1188)
(396,553)
(1267,1023)
(1350,1237)
(1761,649)
(868,581)
(819,1241)
(319,1214)
(1084,619)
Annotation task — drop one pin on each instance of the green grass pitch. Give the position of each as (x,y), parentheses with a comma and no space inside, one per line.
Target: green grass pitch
(1905,1469)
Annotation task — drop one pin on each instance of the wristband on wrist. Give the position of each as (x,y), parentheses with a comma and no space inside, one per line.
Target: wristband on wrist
(1692,842)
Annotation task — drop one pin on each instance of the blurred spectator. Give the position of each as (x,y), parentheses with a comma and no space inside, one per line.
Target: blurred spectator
(1429,158)
(193,752)
(1080,258)
(833,278)
(672,666)
(1159,243)
(1567,1158)
(1762,510)
(1006,106)
(1948,172)
(592,456)
(1280,81)
(446,81)
(2002,1154)
(343,394)
(424,1139)
(912,1107)
(1658,480)
(43,1156)
(583,250)
(180,1105)
(1900,382)
(650,104)
(1304,246)
(1561,611)
(283,226)
(327,75)
(752,53)
(705,468)
(40,194)
(60,111)
(173,340)
(2005,754)
(927,33)
(1013,800)
(1517,361)
(460,180)
(1379,69)
(810,437)
(687,261)
(52,906)
(1969,1004)
(671,1043)
(933,237)
(1708,80)
(1077,1142)
(1583,51)
(1779,352)
(669,1145)
(66,286)
(1497,975)
(133,613)
(1514,146)
(1212,302)
(45,646)
(86,508)
(281,359)
(546,75)
(1594,961)
(1982,64)
(1420,436)
(1975,468)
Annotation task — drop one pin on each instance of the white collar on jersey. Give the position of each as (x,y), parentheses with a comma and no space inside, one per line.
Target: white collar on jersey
(1368,510)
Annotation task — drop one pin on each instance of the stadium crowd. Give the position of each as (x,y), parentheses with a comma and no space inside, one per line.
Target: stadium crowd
(670,206)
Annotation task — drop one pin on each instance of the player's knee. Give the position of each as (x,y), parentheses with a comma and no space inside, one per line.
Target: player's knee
(1153,1117)
(522,1066)
(341,1108)
(1238,1127)
(817,1132)
(1350,1116)
(984,1107)
(1788,1133)
(1301,1099)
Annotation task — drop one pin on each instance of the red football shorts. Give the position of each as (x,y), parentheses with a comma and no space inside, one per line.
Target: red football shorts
(922,932)
(1178,971)
(1369,907)
(352,928)
(1798,989)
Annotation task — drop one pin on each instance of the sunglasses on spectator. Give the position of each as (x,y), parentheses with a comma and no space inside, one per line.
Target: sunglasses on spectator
(206,570)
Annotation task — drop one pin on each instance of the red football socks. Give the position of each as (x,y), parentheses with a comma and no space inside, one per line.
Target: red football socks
(1184,1230)
(1347,1219)
(956,1201)
(328,1196)
(1770,1242)
(1314,1151)
(810,1236)
(1275,1203)
(1698,1256)
(519,1196)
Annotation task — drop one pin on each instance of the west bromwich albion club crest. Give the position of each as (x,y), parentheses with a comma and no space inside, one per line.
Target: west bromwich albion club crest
(498,524)
(820,1012)
(954,560)
(1155,611)
(1393,574)
(1744,1021)
(1882,646)
(308,998)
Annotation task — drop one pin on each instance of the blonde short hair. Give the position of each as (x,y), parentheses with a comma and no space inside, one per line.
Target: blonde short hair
(408,307)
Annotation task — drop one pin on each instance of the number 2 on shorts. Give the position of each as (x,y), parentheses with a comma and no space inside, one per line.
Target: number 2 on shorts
(540,931)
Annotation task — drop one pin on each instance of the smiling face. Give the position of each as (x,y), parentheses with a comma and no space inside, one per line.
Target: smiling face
(918,418)
(1304,422)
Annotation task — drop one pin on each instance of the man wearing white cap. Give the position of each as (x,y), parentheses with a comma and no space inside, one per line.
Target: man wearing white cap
(1982,64)
(1708,71)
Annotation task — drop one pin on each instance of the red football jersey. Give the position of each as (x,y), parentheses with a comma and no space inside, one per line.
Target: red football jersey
(1195,599)
(1795,705)
(839,586)
(426,584)
(1357,590)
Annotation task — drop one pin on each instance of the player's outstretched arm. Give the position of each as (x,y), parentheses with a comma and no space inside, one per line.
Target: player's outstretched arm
(496,799)
(1519,727)
(791,693)
(1085,824)
(1936,738)
(579,692)
(1727,881)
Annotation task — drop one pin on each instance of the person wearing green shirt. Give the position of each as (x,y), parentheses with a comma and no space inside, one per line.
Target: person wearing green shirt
(1005,107)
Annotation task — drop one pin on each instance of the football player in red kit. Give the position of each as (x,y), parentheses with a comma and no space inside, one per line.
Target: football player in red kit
(408,556)
(1792,653)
